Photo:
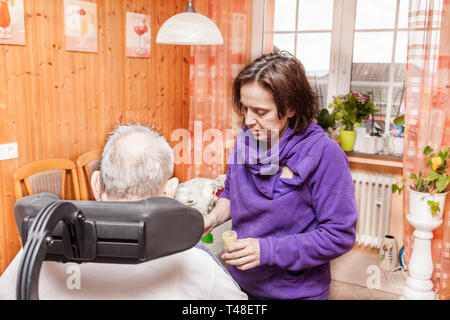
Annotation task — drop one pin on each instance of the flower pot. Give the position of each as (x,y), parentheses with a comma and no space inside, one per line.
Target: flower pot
(420,210)
(380,143)
(359,141)
(395,145)
(347,139)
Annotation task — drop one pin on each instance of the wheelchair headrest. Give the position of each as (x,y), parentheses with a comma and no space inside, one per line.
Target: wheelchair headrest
(113,232)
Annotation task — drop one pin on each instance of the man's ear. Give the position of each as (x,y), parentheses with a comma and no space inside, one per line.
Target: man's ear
(96,185)
(171,187)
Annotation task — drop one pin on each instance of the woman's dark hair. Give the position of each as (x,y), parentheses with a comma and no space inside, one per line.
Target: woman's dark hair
(284,76)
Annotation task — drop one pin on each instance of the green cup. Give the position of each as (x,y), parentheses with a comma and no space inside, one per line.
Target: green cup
(208,238)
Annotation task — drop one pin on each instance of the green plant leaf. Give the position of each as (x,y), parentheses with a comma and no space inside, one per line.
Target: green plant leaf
(396,188)
(427,150)
(441,170)
(400,120)
(442,182)
(434,207)
(433,176)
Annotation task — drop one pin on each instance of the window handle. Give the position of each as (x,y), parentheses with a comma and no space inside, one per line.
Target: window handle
(344,65)
(333,63)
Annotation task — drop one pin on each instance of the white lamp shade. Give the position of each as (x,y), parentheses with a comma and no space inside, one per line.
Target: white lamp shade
(190,29)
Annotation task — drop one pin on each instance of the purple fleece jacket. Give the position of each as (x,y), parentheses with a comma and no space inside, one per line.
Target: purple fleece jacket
(302,223)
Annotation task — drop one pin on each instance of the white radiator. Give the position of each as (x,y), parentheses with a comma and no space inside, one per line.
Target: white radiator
(373,198)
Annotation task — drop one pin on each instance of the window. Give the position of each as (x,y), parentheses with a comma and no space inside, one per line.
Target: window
(345,45)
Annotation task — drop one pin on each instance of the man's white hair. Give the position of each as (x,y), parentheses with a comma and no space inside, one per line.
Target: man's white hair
(136,163)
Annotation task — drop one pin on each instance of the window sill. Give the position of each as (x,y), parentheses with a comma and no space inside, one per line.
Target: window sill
(375,159)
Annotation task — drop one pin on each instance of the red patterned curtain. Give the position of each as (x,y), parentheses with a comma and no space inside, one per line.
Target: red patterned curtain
(213,69)
(427,114)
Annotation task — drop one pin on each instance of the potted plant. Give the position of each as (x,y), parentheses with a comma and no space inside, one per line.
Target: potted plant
(372,142)
(351,109)
(327,121)
(427,194)
(396,140)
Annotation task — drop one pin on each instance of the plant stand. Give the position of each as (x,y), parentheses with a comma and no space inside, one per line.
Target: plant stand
(420,269)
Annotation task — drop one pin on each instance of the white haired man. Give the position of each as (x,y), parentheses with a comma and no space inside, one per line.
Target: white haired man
(137,163)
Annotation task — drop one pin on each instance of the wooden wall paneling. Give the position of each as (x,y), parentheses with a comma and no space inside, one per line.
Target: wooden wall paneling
(90,79)
(167,80)
(118,14)
(106,61)
(150,93)
(4,107)
(3,226)
(44,35)
(135,70)
(8,135)
(51,62)
(159,57)
(101,116)
(9,126)
(37,29)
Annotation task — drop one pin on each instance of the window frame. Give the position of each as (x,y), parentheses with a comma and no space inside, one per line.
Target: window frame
(341,49)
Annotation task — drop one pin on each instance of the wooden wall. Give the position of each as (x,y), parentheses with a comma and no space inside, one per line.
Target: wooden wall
(59,104)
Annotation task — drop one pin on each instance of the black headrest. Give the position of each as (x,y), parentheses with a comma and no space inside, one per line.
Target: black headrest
(116,232)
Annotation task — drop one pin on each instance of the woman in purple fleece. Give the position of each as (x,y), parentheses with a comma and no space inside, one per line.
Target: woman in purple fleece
(288,189)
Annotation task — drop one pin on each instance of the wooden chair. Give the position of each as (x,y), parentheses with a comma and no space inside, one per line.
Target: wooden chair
(86,164)
(50,175)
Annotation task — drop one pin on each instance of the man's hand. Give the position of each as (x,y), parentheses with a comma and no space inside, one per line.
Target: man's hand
(208,222)
(244,254)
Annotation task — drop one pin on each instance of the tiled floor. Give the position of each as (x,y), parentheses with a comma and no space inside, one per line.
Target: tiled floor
(356,276)
(346,291)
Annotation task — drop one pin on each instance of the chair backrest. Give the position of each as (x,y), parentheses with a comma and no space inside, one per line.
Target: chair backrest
(86,164)
(50,175)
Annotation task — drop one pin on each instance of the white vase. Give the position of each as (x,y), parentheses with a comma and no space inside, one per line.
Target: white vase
(371,144)
(395,145)
(380,143)
(359,141)
(388,255)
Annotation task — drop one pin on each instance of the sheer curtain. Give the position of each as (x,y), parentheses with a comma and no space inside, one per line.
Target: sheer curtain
(212,71)
(427,114)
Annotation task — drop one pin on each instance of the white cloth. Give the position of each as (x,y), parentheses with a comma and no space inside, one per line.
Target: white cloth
(191,274)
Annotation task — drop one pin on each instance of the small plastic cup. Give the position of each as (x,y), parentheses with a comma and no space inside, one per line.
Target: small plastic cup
(208,238)
(229,237)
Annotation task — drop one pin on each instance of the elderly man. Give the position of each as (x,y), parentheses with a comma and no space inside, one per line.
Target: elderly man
(137,163)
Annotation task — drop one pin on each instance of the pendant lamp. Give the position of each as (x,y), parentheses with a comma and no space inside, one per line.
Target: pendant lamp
(189,28)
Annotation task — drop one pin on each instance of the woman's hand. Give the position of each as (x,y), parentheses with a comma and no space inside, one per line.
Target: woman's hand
(244,254)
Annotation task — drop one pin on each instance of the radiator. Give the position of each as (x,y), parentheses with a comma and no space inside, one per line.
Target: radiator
(373,198)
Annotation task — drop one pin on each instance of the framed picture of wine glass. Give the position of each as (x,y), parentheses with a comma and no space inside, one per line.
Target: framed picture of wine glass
(80,19)
(12,26)
(138,35)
